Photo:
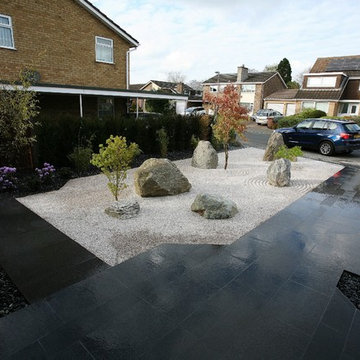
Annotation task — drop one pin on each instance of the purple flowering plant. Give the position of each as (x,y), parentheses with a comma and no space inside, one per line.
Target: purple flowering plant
(46,172)
(7,178)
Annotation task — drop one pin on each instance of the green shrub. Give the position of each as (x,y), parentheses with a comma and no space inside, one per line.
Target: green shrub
(114,160)
(80,157)
(194,141)
(355,119)
(292,120)
(288,153)
(163,141)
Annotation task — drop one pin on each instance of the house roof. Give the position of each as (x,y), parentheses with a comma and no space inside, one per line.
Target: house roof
(289,94)
(305,94)
(258,77)
(319,94)
(166,85)
(350,65)
(107,21)
(136,86)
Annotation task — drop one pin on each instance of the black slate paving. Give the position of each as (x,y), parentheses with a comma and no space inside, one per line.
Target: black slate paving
(38,258)
(270,295)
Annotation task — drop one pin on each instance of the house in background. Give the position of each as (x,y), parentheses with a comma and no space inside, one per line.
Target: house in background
(77,56)
(253,87)
(332,85)
(194,98)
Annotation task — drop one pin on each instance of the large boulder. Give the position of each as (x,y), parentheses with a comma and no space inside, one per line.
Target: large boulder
(274,143)
(160,177)
(278,173)
(126,209)
(205,156)
(214,206)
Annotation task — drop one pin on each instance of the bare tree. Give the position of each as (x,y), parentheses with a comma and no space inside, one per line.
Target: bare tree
(176,77)
(271,67)
(300,76)
(195,84)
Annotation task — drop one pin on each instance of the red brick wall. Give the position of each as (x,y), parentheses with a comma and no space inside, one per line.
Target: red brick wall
(57,38)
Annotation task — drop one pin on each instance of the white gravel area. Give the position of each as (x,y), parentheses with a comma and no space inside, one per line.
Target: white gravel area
(77,209)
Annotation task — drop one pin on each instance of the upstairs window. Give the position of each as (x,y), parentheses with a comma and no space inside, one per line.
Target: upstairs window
(6,32)
(248,88)
(318,81)
(104,49)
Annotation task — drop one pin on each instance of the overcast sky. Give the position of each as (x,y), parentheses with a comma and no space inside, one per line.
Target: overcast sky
(199,37)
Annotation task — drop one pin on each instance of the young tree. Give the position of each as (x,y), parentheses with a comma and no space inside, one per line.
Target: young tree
(114,160)
(284,70)
(18,108)
(231,117)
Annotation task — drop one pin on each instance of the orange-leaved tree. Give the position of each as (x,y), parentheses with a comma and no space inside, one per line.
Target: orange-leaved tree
(231,117)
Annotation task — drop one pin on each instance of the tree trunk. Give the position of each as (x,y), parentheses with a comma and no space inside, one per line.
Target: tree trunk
(226,148)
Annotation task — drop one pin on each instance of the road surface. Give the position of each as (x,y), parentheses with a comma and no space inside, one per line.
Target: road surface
(257,136)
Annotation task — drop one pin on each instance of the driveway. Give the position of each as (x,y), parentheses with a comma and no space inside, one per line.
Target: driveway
(257,136)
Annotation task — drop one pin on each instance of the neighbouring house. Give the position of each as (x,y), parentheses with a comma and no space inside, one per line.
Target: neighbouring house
(253,87)
(166,87)
(332,85)
(79,58)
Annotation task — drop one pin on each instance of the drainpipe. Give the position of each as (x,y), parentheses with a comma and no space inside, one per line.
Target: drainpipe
(128,67)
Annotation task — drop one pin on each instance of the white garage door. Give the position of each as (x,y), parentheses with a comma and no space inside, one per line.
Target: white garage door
(290,109)
(276,107)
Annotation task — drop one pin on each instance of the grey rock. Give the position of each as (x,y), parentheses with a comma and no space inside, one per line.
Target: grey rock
(274,143)
(279,173)
(214,206)
(160,177)
(126,209)
(205,156)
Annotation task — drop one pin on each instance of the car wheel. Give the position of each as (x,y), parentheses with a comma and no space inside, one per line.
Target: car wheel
(326,148)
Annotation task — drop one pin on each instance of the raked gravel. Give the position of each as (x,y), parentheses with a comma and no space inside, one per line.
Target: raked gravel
(77,209)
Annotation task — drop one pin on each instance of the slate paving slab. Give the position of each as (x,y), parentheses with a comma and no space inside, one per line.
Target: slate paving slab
(38,258)
(270,295)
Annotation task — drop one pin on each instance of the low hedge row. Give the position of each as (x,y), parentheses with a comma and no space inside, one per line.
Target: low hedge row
(57,137)
(292,120)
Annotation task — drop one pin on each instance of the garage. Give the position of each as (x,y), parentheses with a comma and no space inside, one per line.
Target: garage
(276,107)
(290,109)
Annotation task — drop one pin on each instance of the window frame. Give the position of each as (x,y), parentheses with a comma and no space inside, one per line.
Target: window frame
(112,50)
(245,88)
(349,108)
(10,26)
(321,80)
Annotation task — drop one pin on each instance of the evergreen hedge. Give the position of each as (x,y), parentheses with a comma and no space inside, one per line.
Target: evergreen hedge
(58,136)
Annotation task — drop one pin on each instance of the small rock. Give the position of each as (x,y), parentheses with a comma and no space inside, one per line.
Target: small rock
(205,156)
(274,143)
(214,206)
(278,173)
(123,209)
(160,177)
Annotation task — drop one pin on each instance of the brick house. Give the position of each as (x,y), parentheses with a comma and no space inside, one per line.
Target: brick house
(166,87)
(252,87)
(332,85)
(79,57)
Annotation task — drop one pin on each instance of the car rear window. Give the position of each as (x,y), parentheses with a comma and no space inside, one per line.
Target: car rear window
(352,127)
(332,126)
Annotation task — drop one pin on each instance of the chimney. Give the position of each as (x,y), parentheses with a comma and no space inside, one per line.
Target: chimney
(180,88)
(242,73)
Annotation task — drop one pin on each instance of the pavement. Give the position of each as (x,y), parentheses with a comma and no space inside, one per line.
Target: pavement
(272,294)
(257,136)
